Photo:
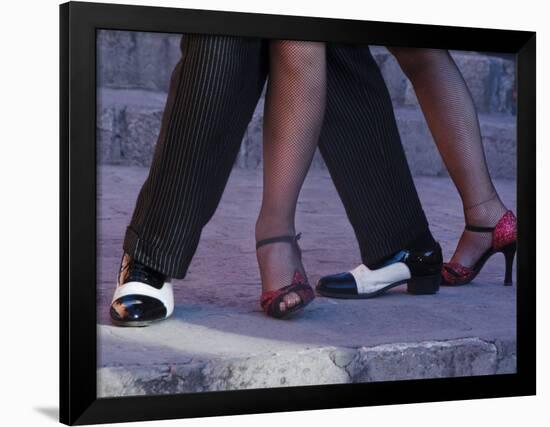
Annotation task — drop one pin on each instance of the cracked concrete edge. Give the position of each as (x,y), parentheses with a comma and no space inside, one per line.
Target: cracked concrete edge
(506,355)
(318,366)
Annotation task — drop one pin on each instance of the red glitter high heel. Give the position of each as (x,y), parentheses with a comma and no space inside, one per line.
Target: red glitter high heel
(271,300)
(504,241)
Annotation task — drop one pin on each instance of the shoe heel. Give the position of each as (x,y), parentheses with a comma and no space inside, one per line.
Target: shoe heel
(426,285)
(509,254)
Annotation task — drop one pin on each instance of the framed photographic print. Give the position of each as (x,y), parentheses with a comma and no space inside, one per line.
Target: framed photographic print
(268,213)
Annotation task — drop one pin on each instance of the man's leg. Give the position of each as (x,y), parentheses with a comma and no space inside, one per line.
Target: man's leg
(361,146)
(214,90)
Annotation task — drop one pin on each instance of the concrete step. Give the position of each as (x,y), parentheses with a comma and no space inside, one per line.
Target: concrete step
(129,121)
(135,60)
(176,369)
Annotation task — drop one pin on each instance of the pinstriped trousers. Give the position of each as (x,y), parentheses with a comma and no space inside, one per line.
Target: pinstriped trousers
(213,92)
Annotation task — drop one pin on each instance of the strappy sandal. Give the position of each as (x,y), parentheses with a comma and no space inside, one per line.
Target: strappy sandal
(504,236)
(270,301)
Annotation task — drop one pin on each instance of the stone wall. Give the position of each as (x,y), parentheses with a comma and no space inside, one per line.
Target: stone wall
(134,70)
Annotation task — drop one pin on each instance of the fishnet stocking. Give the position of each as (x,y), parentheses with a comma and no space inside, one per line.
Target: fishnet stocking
(294,109)
(452,118)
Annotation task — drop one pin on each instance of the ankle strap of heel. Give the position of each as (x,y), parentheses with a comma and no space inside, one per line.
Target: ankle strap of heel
(269,240)
(477,229)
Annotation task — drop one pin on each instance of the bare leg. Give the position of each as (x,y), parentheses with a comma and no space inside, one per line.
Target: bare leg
(452,118)
(294,109)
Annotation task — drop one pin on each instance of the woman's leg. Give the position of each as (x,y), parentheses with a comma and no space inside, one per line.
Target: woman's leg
(452,118)
(294,108)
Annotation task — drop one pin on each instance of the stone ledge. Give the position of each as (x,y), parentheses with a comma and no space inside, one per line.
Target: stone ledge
(129,122)
(140,60)
(324,365)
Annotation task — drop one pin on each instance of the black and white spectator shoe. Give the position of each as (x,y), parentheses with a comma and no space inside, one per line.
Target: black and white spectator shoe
(420,270)
(142,295)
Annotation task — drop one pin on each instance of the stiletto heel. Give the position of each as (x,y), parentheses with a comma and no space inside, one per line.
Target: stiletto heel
(270,300)
(509,254)
(504,240)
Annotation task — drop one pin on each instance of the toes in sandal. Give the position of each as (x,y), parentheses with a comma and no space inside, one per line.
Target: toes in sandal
(271,300)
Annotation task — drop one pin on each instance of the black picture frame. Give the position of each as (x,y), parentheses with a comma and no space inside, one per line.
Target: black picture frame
(78,25)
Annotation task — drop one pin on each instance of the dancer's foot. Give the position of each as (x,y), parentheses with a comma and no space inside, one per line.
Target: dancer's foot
(502,238)
(419,269)
(142,295)
(285,289)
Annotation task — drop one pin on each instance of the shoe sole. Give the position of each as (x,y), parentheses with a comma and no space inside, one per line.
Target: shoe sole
(450,285)
(136,323)
(420,286)
(292,312)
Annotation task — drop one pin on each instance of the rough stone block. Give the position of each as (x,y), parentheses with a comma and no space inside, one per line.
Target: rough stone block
(250,154)
(506,356)
(313,366)
(129,59)
(151,380)
(441,359)
(306,367)
(129,123)
(138,60)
